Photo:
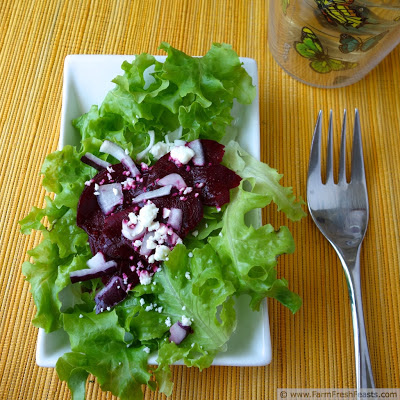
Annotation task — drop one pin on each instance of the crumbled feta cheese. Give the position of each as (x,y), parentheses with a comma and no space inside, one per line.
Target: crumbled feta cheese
(182,154)
(187,275)
(110,169)
(141,301)
(183,308)
(168,322)
(151,259)
(80,316)
(120,363)
(128,183)
(159,149)
(186,321)
(161,252)
(149,307)
(96,193)
(220,234)
(150,243)
(146,350)
(108,308)
(133,219)
(190,254)
(147,214)
(188,190)
(159,310)
(137,243)
(195,233)
(154,226)
(144,278)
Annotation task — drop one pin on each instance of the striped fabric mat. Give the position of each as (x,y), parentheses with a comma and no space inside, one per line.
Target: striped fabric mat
(313,348)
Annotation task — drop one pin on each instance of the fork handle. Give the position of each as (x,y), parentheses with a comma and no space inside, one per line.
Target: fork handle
(364,376)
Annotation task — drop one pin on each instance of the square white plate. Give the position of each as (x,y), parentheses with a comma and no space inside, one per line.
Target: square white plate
(87,79)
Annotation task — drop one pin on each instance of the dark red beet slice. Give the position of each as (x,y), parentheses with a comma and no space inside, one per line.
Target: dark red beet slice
(191,206)
(208,184)
(165,166)
(113,293)
(213,151)
(215,181)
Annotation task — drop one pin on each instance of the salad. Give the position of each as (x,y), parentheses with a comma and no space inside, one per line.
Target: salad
(145,245)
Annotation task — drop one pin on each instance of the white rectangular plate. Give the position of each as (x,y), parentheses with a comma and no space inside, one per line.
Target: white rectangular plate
(87,79)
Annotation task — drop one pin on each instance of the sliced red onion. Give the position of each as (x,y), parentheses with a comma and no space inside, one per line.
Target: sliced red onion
(132,233)
(95,162)
(144,250)
(119,153)
(197,147)
(173,239)
(174,180)
(175,218)
(147,149)
(109,197)
(174,135)
(113,293)
(179,332)
(163,191)
(98,267)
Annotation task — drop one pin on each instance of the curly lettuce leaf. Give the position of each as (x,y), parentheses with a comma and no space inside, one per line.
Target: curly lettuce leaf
(266,180)
(250,254)
(98,347)
(192,285)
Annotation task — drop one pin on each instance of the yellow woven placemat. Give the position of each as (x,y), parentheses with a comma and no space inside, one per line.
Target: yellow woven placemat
(313,348)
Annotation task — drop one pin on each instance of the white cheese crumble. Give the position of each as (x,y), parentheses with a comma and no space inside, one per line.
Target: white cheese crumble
(144,278)
(141,301)
(137,243)
(146,350)
(161,252)
(186,321)
(159,150)
(80,316)
(168,322)
(149,308)
(195,233)
(190,254)
(147,214)
(182,154)
(183,308)
(133,219)
(187,275)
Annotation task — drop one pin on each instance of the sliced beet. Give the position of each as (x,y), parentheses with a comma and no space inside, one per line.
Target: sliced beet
(213,151)
(214,182)
(191,206)
(203,181)
(113,293)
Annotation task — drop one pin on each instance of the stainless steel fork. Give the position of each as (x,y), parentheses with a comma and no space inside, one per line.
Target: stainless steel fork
(340,211)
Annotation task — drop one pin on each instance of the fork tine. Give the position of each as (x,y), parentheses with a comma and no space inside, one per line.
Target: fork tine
(342,156)
(357,158)
(314,166)
(329,152)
